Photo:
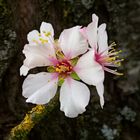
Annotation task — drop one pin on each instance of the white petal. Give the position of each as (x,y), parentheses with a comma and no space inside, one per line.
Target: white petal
(39,88)
(100,90)
(46,30)
(102,39)
(83,32)
(89,70)
(74,97)
(37,55)
(24,70)
(33,37)
(72,42)
(91,31)
(95,18)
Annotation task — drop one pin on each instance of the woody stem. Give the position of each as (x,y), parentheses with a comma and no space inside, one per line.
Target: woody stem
(32,118)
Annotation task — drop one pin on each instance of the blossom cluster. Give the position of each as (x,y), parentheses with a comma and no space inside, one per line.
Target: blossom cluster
(79,57)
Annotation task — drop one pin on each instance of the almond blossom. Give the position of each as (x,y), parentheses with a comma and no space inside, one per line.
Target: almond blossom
(65,60)
(104,55)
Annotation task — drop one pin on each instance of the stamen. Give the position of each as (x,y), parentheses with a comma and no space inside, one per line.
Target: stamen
(112,71)
(47,34)
(63,68)
(109,47)
(113,50)
(110,59)
(112,44)
(43,40)
(110,65)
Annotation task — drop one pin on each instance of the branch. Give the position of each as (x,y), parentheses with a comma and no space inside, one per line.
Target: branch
(32,118)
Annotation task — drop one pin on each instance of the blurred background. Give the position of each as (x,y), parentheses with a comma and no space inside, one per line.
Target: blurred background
(120,118)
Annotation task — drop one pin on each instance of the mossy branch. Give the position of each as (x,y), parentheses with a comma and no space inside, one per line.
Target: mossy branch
(33,117)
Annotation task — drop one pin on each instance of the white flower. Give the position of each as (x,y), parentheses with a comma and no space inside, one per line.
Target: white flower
(40,48)
(104,55)
(40,88)
(97,37)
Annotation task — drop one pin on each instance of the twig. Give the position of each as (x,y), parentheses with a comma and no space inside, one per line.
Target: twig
(33,117)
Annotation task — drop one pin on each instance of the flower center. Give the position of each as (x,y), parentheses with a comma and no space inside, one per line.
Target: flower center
(109,59)
(63,67)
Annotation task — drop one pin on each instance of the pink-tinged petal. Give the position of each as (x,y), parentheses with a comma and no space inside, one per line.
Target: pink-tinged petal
(37,56)
(74,97)
(102,40)
(83,32)
(91,31)
(39,88)
(33,37)
(100,90)
(89,70)
(72,42)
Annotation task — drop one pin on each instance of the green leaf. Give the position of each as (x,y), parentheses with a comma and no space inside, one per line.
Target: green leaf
(75,76)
